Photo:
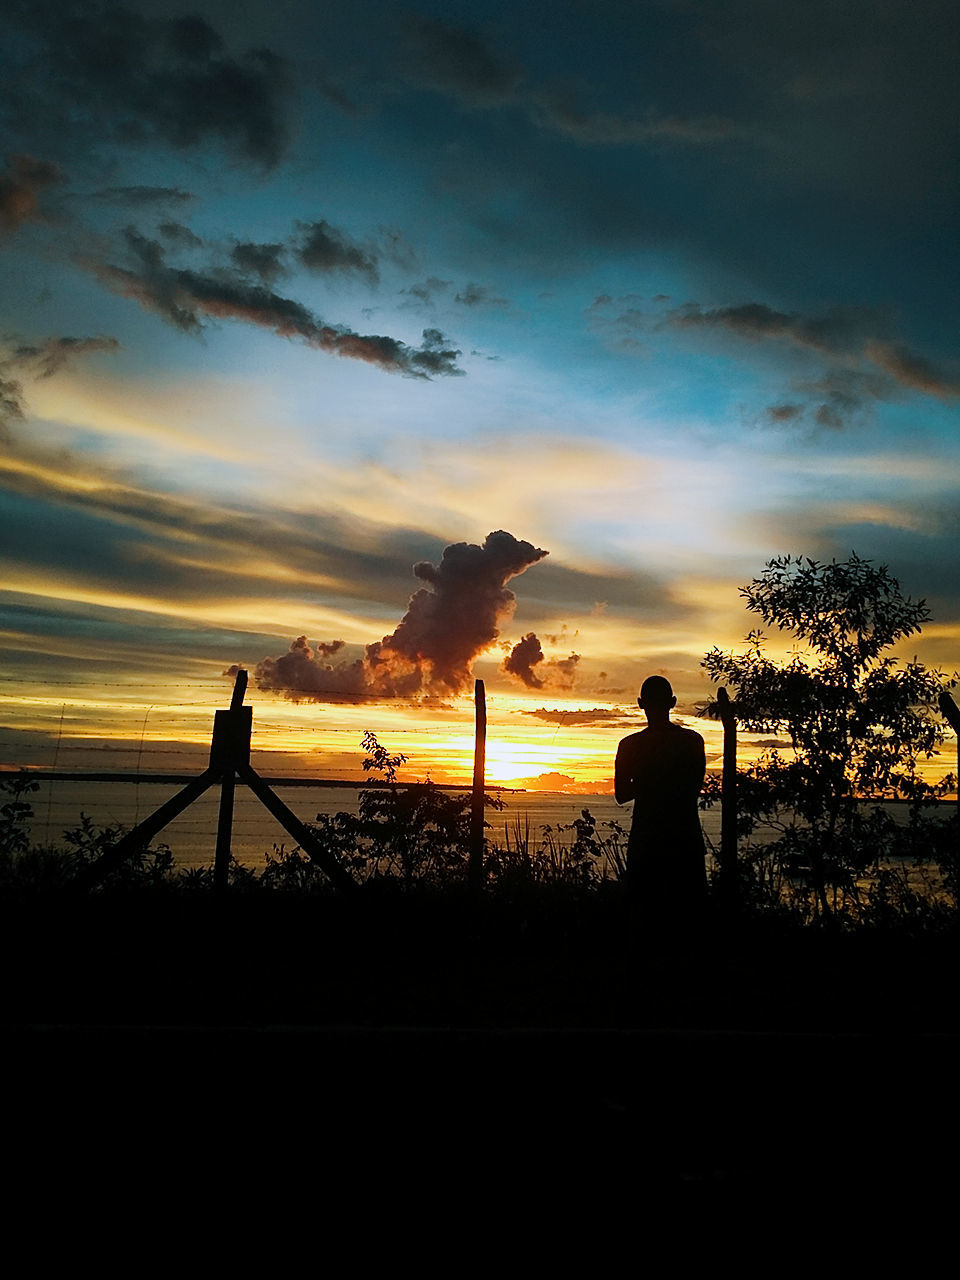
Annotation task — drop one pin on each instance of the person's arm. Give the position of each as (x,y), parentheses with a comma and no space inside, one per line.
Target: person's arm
(698,766)
(622,777)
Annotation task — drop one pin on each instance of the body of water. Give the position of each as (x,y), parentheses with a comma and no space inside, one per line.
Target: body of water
(58,804)
(57,807)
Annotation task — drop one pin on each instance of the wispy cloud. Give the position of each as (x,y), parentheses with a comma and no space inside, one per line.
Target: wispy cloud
(454,60)
(848,333)
(461,64)
(862,360)
(51,355)
(189,299)
(139,196)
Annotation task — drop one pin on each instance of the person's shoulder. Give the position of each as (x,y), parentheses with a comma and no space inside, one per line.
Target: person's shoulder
(690,735)
(631,740)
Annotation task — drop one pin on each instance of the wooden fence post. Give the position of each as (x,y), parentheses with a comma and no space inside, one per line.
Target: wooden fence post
(951,713)
(229,760)
(229,750)
(475,858)
(729,878)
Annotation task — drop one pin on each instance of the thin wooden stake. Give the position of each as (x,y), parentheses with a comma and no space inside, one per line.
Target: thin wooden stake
(951,713)
(475,861)
(728,812)
(221,858)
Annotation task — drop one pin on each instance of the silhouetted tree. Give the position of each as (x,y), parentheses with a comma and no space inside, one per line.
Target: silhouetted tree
(859,722)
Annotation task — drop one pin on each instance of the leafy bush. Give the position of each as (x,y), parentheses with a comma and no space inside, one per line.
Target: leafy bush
(597,853)
(858,722)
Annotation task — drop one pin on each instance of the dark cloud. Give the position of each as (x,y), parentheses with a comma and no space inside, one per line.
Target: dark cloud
(427,292)
(136,197)
(11,404)
(454,60)
(395,246)
(863,361)
(38,360)
(325,249)
(124,77)
(20,186)
(850,332)
(261,260)
(911,370)
(180,235)
(863,364)
(478,295)
(560,110)
(523,657)
(592,715)
(304,673)
(53,354)
(526,662)
(838,330)
(458,62)
(780,413)
(448,623)
(188,299)
(434,356)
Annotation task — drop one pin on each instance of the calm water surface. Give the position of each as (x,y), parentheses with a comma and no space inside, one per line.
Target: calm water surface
(57,807)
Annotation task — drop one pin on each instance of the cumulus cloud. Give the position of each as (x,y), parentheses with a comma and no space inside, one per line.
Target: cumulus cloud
(188,299)
(523,657)
(527,663)
(326,249)
(20,186)
(449,621)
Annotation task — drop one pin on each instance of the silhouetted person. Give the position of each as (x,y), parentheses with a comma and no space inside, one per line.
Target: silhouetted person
(661,770)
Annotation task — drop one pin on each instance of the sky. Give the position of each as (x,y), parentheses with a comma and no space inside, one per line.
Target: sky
(379,348)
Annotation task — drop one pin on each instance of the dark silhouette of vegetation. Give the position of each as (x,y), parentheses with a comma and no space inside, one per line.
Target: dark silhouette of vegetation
(858,725)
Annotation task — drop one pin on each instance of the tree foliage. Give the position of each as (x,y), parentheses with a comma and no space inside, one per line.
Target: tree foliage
(858,720)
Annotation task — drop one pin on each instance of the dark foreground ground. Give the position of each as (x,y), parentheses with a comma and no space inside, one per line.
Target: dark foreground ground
(436,1059)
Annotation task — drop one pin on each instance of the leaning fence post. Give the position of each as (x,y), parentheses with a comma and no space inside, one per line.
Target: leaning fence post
(728,797)
(951,713)
(475,858)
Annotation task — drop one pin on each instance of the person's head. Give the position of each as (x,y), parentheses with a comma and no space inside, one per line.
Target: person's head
(656,698)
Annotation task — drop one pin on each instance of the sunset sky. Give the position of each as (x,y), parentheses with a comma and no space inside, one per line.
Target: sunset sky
(297,295)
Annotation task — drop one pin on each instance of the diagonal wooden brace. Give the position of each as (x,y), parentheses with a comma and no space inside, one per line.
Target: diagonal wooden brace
(143,833)
(326,860)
